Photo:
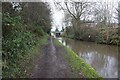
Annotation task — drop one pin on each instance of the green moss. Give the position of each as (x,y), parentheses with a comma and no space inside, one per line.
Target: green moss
(57,42)
(77,63)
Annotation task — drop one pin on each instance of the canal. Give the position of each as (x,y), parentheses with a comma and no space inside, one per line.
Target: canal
(103,58)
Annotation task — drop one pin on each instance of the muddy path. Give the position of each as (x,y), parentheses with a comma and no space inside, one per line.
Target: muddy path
(51,63)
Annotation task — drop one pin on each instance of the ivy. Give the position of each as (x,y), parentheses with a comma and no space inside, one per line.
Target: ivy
(15,45)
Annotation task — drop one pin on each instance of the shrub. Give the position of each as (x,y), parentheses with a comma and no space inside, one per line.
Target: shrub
(15,48)
(39,31)
(108,36)
(100,35)
(15,43)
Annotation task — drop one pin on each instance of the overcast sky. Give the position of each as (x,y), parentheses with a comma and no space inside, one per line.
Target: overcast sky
(58,16)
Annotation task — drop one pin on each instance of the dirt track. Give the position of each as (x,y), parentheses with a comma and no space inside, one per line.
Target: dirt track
(51,63)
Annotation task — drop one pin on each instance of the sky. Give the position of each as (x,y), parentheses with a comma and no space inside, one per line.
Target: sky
(58,16)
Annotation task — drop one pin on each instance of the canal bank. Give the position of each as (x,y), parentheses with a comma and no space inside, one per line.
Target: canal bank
(77,64)
(58,61)
(103,58)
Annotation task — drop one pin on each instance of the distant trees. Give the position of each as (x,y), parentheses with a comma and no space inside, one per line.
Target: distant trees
(56,30)
(118,18)
(118,12)
(77,12)
(104,14)
(84,19)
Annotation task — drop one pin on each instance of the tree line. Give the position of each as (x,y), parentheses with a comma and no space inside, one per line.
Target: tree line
(23,25)
(91,21)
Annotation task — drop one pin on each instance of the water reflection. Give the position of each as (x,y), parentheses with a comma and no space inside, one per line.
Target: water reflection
(104,58)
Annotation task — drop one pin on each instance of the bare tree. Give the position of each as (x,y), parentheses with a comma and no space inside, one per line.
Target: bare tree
(77,11)
(118,12)
(103,14)
(118,18)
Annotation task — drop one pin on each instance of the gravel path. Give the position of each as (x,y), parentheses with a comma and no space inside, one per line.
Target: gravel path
(51,63)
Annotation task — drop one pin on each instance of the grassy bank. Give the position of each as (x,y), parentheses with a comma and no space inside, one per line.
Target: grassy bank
(78,64)
(23,67)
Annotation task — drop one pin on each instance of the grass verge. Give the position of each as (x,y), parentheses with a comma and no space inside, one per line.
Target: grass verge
(78,64)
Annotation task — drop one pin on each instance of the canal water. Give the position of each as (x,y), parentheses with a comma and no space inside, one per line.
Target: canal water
(103,58)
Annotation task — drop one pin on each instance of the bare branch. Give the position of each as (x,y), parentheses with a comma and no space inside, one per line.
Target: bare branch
(70,11)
